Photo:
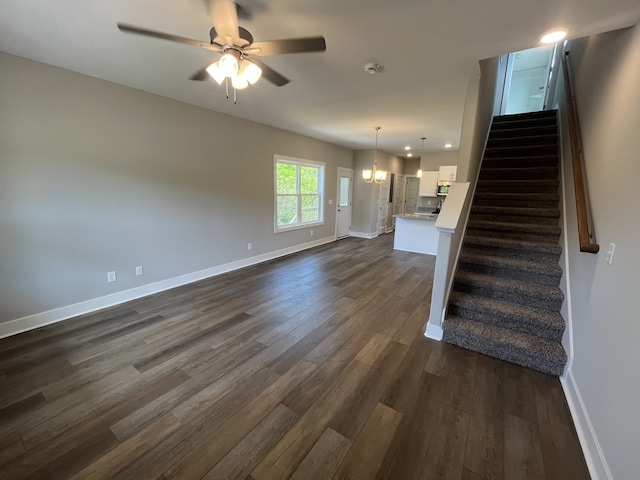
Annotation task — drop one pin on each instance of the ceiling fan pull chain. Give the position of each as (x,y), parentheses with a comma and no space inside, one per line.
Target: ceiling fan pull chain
(235,98)
(226,85)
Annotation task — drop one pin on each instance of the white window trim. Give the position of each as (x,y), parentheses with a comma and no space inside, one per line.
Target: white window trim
(297,161)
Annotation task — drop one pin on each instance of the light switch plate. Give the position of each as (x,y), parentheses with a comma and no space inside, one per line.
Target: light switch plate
(612,248)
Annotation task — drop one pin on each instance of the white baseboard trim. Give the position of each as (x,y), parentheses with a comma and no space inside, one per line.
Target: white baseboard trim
(434,332)
(363,235)
(593,454)
(30,322)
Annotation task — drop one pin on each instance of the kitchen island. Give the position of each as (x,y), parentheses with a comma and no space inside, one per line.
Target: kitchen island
(416,232)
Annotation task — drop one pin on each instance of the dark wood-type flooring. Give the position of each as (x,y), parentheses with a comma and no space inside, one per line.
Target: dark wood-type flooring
(309,367)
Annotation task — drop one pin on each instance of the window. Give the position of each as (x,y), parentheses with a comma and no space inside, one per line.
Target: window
(299,192)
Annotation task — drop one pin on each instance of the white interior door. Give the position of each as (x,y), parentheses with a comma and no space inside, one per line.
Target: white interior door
(345,195)
(383,205)
(398,197)
(411,195)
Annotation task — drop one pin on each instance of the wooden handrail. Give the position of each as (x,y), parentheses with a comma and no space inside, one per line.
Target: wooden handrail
(576,162)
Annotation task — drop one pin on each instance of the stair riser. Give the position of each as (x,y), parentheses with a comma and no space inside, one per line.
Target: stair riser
(513,253)
(518,174)
(483,217)
(552,304)
(549,161)
(501,227)
(507,353)
(547,115)
(512,273)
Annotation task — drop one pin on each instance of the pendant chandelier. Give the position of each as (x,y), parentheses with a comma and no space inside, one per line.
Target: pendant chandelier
(419,174)
(374,175)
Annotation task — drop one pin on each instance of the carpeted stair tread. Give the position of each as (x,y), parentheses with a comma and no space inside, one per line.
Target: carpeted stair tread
(522,318)
(546,297)
(540,267)
(523,131)
(519,162)
(519,173)
(521,141)
(520,151)
(537,199)
(516,347)
(516,211)
(517,186)
(497,242)
(551,230)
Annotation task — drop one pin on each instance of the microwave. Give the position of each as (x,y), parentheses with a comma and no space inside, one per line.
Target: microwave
(443,188)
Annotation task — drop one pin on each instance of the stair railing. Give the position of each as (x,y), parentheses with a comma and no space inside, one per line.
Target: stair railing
(584,236)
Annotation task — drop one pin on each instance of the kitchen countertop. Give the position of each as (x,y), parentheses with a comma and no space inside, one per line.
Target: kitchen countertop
(418,216)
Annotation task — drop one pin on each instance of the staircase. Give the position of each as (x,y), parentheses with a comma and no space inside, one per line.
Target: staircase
(506,297)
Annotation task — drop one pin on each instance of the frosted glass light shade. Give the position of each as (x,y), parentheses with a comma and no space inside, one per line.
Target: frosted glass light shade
(228,64)
(251,71)
(216,73)
(367,175)
(239,82)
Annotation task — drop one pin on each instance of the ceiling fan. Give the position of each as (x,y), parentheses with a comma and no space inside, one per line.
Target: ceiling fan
(237,63)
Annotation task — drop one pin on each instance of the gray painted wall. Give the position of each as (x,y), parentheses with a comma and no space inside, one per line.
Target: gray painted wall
(95,177)
(604,310)
(433,160)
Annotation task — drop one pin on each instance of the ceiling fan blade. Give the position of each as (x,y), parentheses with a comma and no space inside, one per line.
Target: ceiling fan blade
(166,36)
(293,45)
(269,73)
(225,21)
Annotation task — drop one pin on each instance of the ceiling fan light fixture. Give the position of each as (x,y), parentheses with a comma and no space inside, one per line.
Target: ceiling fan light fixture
(229,63)
(216,72)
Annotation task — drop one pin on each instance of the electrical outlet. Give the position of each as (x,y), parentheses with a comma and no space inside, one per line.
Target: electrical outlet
(311,233)
(331,201)
(612,248)
(249,246)
(428,202)
(111,277)
(139,270)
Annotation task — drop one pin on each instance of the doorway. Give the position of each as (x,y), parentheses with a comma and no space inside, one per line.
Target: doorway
(345,196)
(527,84)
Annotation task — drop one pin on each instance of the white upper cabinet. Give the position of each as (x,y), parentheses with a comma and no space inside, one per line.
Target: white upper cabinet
(447,173)
(429,184)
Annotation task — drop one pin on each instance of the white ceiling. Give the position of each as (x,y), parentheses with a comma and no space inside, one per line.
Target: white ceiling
(428,48)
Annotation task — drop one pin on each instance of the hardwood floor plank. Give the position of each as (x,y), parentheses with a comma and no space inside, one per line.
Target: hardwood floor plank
(129,451)
(484,454)
(446,448)
(522,451)
(289,452)
(243,458)
(10,447)
(370,446)
(199,460)
(324,458)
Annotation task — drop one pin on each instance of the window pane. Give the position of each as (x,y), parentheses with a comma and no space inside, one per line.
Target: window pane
(286,178)
(287,210)
(309,179)
(344,191)
(310,210)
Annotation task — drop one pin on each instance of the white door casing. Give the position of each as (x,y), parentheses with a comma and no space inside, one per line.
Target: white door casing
(383,205)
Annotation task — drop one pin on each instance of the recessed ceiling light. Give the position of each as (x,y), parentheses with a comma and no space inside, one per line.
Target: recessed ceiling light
(553,37)
(407,147)
(448,145)
(409,154)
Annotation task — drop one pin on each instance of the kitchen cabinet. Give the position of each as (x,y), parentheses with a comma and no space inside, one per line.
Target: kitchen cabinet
(429,184)
(447,173)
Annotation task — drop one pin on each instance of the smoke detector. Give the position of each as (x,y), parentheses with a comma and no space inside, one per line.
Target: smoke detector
(372,68)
